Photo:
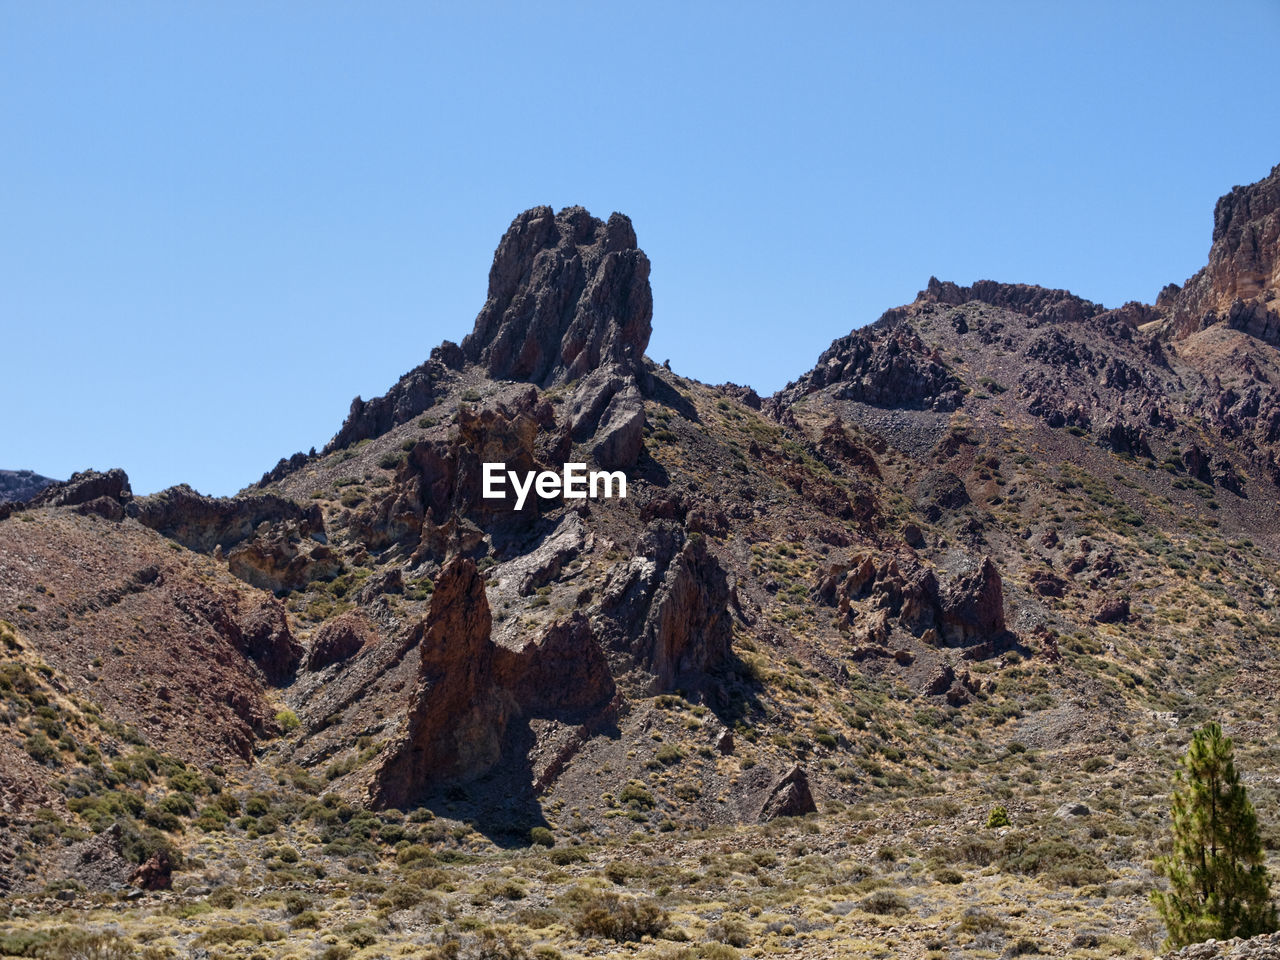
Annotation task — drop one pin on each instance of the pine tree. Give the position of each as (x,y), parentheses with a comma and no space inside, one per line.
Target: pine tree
(1218,884)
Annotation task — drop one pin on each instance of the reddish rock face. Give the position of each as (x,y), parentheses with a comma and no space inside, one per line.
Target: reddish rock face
(337,641)
(469,689)
(973,608)
(155,874)
(85,487)
(1244,266)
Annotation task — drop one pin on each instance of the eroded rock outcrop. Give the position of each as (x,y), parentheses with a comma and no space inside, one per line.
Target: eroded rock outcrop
(337,641)
(1240,282)
(885,365)
(667,609)
(260,632)
(469,689)
(790,796)
(568,293)
(412,394)
(1038,303)
(85,487)
(873,595)
(201,523)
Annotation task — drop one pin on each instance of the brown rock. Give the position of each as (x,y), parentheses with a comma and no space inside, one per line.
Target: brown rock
(84,487)
(268,642)
(973,607)
(1244,265)
(412,394)
(155,874)
(884,365)
(1113,610)
(337,641)
(688,627)
(201,523)
(567,294)
(789,797)
(389,581)
(470,689)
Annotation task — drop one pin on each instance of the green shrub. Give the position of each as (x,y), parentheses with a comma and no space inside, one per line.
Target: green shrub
(563,856)
(999,817)
(416,853)
(41,750)
(541,836)
(288,721)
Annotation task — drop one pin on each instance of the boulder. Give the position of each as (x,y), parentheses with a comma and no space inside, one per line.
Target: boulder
(789,797)
(973,606)
(1113,610)
(337,641)
(155,874)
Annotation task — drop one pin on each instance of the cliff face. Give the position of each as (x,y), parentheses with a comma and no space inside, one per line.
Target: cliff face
(1240,282)
(567,294)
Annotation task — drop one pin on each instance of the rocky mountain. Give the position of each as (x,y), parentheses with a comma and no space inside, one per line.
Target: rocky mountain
(17,486)
(1003,547)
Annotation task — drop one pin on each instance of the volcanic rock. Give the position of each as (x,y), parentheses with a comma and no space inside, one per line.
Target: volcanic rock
(567,294)
(1039,303)
(155,874)
(1244,265)
(1113,610)
(83,487)
(973,606)
(19,486)
(940,492)
(413,394)
(469,689)
(201,523)
(388,581)
(266,639)
(884,365)
(688,626)
(789,797)
(337,641)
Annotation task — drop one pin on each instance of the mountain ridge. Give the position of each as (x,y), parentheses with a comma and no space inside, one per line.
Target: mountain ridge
(980,553)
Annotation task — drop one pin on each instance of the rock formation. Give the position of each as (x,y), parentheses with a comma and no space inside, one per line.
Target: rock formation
(85,487)
(667,608)
(470,689)
(885,365)
(1242,278)
(789,797)
(19,486)
(336,641)
(568,294)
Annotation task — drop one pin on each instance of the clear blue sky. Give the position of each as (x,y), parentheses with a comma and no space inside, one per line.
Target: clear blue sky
(219,222)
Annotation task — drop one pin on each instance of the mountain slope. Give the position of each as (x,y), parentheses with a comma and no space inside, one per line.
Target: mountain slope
(1002,546)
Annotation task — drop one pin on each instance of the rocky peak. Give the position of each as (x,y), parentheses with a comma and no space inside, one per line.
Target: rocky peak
(21,485)
(1244,266)
(1038,303)
(567,293)
(884,365)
